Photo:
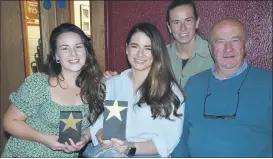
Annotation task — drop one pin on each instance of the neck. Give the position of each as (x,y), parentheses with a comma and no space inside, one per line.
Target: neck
(70,78)
(138,77)
(184,51)
(223,73)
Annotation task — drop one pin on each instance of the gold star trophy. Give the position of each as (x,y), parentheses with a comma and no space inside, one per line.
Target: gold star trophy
(114,124)
(70,126)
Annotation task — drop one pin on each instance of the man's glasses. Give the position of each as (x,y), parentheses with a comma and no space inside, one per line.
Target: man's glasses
(230,116)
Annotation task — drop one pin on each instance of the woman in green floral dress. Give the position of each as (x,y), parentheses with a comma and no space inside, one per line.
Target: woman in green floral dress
(70,81)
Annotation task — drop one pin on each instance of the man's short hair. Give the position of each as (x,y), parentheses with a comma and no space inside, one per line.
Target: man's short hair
(176,3)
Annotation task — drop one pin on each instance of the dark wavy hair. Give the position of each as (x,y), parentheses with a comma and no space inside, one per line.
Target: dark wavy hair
(156,89)
(90,77)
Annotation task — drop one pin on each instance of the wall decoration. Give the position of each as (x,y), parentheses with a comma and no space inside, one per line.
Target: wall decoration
(32,12)
(85,19)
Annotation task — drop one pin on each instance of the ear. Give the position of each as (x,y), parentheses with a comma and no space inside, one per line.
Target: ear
(247,43)
(169,28)
(197,23)
(57,57)
(126,49)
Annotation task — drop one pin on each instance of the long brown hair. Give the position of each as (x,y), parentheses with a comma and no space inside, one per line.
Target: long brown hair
(90,77)
(156,89)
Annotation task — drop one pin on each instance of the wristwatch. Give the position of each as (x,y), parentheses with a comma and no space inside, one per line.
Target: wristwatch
(132,150)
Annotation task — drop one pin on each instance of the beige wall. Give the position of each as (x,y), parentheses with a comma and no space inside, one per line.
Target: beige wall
(12,55)
(33,36)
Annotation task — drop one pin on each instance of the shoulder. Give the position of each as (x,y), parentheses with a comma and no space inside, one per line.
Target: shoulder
(118,78)
(200,76)
(31,93)
(261,71)
(168,46)
(198,79)
(261,74)
(36,79)
(201,42)
(34,83)
(171,48)
(202,46)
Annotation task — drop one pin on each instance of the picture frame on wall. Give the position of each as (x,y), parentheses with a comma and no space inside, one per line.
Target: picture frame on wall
(31,12)
(85,19)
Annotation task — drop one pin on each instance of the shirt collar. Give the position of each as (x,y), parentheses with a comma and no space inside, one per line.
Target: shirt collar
(234,74)
(199,50)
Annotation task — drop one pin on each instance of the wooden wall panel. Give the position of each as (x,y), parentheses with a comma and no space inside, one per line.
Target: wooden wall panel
(49,19)
(98,31)
(48,22)
(62,14)
(12,55)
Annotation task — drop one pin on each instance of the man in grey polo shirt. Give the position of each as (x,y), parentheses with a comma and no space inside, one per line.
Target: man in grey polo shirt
(189,53)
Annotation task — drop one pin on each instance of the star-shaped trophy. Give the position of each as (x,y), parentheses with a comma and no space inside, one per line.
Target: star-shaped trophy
(70,126)
(114,124)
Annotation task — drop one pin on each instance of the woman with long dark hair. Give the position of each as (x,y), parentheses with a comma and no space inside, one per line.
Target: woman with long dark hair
(70,81)
(155,100)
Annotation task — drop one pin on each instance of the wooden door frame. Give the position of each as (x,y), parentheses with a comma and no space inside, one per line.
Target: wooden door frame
(98,31)
(25,38)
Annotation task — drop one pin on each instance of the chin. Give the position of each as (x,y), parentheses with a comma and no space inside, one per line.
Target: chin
(76,69)
(142,68)
(184,41)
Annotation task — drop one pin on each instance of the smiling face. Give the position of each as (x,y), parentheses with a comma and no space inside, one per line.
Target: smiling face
(228,43)
(182,24)
(139,52)
(70,51)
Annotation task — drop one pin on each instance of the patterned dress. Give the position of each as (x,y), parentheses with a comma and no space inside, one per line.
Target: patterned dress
(34,99)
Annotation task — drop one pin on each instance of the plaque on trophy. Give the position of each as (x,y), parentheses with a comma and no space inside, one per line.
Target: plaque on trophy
(70,126)
(114,123)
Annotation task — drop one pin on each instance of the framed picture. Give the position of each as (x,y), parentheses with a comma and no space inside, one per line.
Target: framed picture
(31,12)
(85,19)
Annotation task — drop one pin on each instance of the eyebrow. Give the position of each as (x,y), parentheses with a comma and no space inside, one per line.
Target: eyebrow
(190,17)
(63,45)
(138,45)
(68,45)
(239,37)
(175,20)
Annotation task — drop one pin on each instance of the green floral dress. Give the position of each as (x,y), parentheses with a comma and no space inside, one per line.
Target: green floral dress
(34,99)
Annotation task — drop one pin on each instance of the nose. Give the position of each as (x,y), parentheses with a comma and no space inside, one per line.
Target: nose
(140,52)
(182,26)
(228,46)
(73,52)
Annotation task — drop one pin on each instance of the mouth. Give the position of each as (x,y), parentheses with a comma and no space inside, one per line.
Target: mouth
(229,56)
(183,34)
(74,61)
(140,61)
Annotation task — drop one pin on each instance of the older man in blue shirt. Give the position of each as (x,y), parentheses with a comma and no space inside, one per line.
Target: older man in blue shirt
(229,107)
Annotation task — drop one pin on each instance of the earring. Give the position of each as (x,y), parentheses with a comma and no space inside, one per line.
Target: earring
(58,61)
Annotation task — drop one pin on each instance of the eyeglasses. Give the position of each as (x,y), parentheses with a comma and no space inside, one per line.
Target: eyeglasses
(230,116)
